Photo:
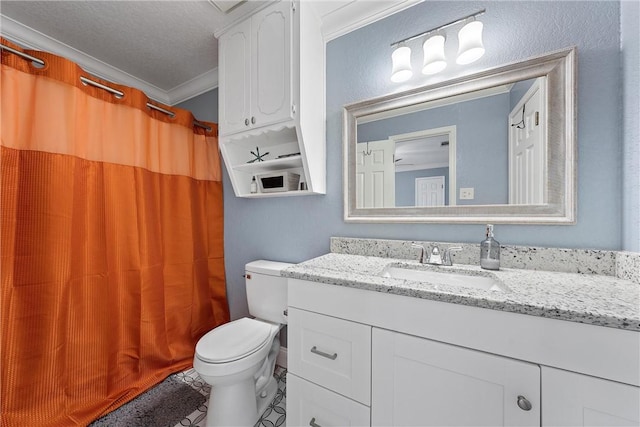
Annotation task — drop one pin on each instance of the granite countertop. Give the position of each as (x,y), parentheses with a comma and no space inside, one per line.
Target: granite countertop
(585,298)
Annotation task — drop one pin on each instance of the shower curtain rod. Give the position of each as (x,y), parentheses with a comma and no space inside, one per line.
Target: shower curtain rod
(118,94)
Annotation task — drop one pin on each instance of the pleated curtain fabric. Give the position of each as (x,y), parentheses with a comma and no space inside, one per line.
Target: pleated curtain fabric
(112,243)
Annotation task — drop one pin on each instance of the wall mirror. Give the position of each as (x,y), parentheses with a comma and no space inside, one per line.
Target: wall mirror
(496,146)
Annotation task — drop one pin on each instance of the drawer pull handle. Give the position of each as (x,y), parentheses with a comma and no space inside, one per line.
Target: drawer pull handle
(312,423)
(323,354)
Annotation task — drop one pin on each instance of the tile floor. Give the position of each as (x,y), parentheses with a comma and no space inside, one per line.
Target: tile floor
(273,416)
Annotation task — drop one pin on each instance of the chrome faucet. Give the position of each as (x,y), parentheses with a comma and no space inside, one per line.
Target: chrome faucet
(435,258)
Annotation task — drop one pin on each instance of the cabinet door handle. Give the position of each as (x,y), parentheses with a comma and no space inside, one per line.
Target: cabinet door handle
(253,120)
(323,354)
(312,423)
(246,122)
(524,404)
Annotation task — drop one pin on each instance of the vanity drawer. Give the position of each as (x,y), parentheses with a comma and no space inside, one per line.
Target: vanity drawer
(312,405)
(331,352)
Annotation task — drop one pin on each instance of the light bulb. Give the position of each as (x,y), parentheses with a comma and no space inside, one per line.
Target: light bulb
(434,60)
(470,47)
(401,58)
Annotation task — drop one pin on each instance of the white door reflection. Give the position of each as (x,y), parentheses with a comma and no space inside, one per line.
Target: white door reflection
(430,191)
(375,174)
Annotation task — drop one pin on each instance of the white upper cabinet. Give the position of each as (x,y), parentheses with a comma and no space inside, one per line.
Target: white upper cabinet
(234,75)
(255,71)
(271,99)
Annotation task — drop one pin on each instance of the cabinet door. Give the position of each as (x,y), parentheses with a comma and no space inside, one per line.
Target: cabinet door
(309,404)
(570,399)
(418,382)
(271,71)
(235,79)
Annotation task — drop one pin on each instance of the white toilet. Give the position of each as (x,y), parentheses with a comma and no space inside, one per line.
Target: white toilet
(238,358)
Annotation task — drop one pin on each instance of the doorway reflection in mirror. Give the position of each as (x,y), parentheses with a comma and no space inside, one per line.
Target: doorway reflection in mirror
(425,157)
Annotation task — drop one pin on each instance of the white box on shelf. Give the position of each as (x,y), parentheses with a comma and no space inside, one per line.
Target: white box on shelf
(278,181)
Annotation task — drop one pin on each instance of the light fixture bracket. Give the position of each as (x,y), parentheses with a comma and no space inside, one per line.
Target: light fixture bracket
(441,27)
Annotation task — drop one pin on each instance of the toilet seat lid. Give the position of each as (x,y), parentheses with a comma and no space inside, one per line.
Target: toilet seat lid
(233,340)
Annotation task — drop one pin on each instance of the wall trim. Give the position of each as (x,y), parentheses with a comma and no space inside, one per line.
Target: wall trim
(358,14)
(194,87)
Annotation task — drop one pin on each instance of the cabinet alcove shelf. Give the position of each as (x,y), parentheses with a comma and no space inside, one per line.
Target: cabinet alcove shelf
(270,165)
(281,194)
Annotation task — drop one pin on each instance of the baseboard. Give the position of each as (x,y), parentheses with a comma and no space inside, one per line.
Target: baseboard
(281,360)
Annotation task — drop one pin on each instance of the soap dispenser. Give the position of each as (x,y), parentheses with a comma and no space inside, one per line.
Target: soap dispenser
(490,251)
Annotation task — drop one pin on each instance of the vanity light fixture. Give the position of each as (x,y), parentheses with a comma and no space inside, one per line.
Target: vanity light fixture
(470,48)
(401,58)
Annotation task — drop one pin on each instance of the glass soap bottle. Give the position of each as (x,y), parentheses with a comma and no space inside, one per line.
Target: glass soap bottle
(254,185)
(490,251)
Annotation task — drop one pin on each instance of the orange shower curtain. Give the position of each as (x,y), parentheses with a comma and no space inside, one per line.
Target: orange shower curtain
(112,243)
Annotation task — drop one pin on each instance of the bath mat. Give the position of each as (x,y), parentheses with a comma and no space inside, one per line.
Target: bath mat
(164,405)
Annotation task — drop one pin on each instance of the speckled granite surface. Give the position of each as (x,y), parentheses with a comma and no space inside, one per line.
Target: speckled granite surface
(585,298)
(628,266)
(624,265)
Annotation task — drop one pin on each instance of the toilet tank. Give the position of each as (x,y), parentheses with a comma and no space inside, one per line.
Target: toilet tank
(267,290)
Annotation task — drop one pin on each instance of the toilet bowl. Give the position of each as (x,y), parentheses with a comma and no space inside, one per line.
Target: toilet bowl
(238,358)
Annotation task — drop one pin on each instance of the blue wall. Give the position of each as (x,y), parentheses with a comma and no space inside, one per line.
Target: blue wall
(518,91)
(358,67)
(204,107)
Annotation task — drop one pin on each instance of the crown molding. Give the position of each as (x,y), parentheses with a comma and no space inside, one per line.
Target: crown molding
(32,39)
(194,87)
(357,14)
(237,15)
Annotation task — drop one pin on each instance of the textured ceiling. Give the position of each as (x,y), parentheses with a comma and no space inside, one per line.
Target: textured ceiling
(163,44)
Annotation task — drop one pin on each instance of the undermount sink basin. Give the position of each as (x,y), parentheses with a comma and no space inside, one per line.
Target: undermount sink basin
(444,277)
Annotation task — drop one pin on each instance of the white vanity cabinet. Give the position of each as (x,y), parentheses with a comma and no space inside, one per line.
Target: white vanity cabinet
(271,98)
(571,399)
(419,382)
(436,363)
